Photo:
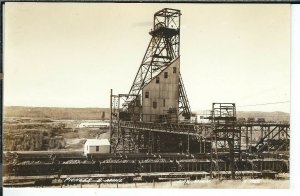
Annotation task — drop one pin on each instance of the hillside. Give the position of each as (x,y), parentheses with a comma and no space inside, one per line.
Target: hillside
(58,113)
(104,113)
(269,116)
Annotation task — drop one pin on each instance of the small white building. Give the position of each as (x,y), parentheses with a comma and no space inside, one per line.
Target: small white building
(94,125)
(96,146)
(202,119)
(199,119)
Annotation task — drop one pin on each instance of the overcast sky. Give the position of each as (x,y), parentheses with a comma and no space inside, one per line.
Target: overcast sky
(71,55)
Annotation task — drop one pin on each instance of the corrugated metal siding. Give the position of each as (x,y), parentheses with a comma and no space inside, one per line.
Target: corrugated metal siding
(167,88)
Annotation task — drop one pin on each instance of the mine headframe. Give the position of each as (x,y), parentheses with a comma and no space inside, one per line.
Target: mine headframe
(163,49)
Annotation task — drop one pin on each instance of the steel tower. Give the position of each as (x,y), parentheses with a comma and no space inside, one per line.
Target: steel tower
(163,48)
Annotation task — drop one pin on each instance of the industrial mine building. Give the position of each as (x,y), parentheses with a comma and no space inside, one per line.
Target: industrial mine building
(151,136)
(160,95)
(154,117)
(157,93)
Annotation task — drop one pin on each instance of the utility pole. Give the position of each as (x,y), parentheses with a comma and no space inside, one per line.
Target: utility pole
(110,124)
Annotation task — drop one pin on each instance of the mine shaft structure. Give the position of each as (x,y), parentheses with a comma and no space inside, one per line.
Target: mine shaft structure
(157,94)
(162,50)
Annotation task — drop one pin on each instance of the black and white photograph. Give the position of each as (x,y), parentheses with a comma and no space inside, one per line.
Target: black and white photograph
(146,95)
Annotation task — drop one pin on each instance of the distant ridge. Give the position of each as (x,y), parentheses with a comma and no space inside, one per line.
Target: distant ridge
(58,113)
(269,116)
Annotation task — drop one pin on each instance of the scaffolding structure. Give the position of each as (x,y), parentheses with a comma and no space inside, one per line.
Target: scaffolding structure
(225,134)
(163,49)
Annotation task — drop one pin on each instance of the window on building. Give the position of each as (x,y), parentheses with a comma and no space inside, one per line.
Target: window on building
(154,104)
(174,70)
(157,79)
(166,74)
(97,148)
(146,94)
(164,103)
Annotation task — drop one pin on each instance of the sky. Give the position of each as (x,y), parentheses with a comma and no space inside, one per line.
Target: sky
(72,54)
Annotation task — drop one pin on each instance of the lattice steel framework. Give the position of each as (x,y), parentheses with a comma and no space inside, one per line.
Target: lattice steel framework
(262,137)
(163,49)
(117,137)
(225,135)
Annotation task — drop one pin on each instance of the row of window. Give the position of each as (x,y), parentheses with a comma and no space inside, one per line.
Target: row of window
(166,74)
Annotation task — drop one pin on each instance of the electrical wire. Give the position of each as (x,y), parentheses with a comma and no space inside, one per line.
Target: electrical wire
(279,102)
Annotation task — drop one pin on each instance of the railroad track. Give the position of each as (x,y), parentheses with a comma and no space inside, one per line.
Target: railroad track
(72,163)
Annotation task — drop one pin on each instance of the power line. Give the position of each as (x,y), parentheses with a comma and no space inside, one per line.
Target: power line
(266,103)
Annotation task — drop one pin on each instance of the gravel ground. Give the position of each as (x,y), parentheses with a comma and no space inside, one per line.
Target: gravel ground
(198,184)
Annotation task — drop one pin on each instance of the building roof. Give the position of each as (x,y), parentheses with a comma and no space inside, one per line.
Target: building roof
(94,123)
(97,142)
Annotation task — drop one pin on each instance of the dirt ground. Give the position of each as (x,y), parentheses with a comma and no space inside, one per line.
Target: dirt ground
(197,184)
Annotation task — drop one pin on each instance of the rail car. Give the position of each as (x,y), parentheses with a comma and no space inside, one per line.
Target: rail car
(24,164)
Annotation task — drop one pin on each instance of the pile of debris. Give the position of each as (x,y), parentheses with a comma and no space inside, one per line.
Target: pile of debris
(155,161)
(117,161)
(78,162)
(32,163)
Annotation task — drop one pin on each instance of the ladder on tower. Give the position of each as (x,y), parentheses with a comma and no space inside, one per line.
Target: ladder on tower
(184,105)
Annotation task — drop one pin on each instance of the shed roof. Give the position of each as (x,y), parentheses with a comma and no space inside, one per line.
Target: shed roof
(97,142)
(94,123)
